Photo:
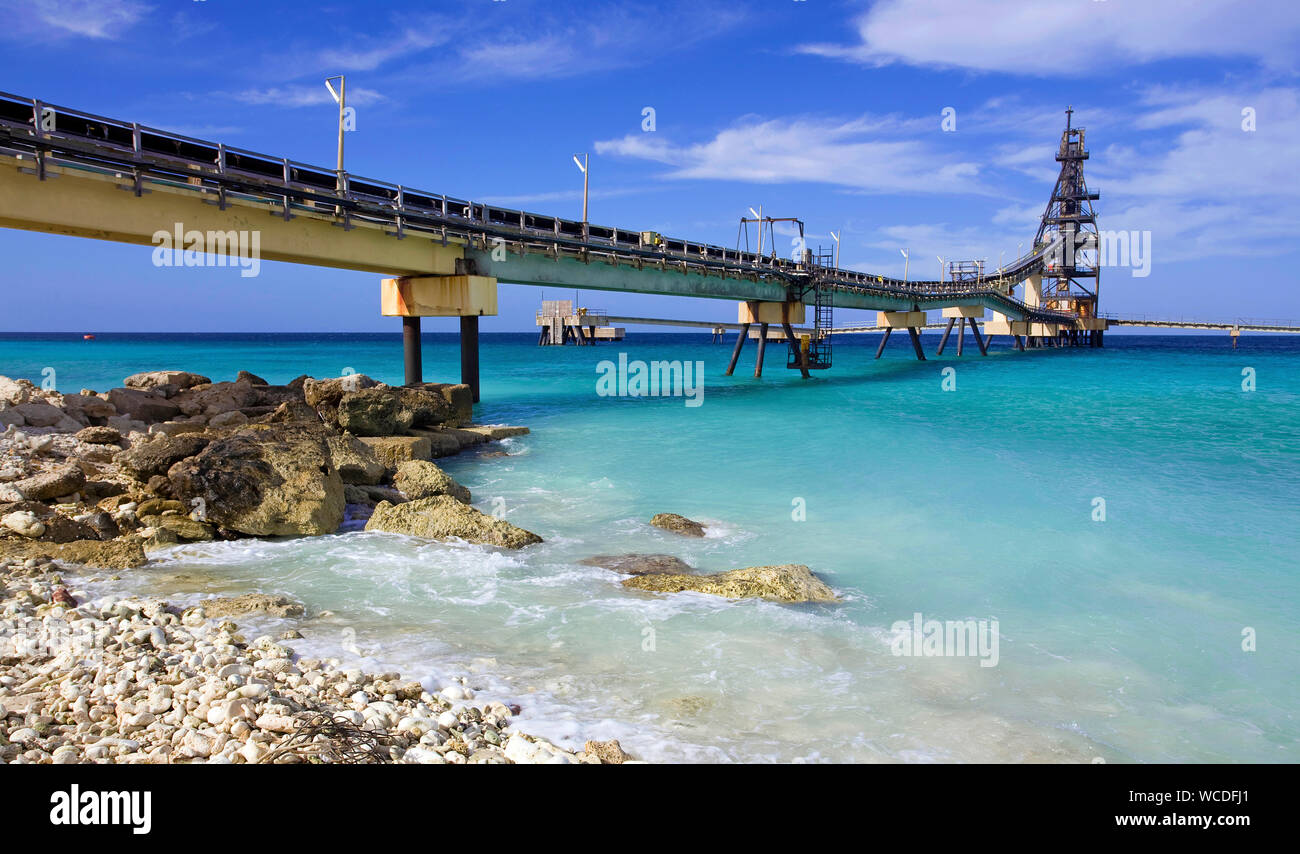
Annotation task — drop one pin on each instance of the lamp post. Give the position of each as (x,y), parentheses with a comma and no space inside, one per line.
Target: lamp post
(837,248)
(582,166)
(340,96)
(940,269)
(905,261)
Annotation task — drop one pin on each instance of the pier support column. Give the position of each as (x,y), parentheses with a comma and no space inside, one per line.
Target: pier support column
(961,339)
(884,339)
(469,353)
(466,296)
(412,358)
(762,350)
(740,345)
(800,357)
(909,320)
(975,330)
(943,342)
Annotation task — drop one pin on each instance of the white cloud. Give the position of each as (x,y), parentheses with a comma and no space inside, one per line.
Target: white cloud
(865,154)
(1072,38)
(96,19)
(304,96)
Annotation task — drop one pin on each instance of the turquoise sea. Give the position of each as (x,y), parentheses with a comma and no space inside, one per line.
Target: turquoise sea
(1120,640)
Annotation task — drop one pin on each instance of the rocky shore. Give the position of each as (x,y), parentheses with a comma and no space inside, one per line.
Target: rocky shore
(99,480)
(96,481)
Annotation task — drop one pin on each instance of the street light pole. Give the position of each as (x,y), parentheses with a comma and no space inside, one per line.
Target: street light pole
(905,261)
(586,178)
(341,97)
(837,248)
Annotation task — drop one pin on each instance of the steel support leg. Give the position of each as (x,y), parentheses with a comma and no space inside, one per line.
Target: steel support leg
(762,349)
(411,350)
(961,337)
(943,342)
(795,350)
(1020,343)
(916,342)
(735,353)
(469,353)
(883,339)
(975,330)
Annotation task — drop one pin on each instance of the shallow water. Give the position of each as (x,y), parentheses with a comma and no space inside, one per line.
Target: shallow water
(1119,639)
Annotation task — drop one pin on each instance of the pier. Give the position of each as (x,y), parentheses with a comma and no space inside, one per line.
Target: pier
(70,172)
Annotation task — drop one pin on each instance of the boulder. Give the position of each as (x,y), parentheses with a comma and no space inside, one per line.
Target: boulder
(147,459)
(251,379)
(91,407)
(426,404)
(61,529)
(392,451)
(372,412)
(105,526)
(15,392)
(122,553)
(145,406)
(608,752)
(677,524)
(266,480)
(443,517)
(784,583)
(217,398)
(418,479)
(183,527)
(159,506)
(324,395)
(233,418)
(252,603)
(38,413)
(24,523)
(154,379)
(177,428)
(355,461)
(497,432)
(639,564)
(290,412)
(99,435)
(53,483)
(441,442)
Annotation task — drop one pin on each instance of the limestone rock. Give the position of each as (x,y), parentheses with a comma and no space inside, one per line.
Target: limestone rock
(145,406)
(640,564)
(154,379)
(183,527)
(392,451)
(292,411)
(61,529)
(122,553)
(15,392)
(252,603)
(38,413)
(678,524)
(784,583)
(99,435)
(443,517)
(217,398)
(324,395)
(147,459)
(266,480)
(89,407)
(608,752)
(355,461)
(372,412)
(250,378)
(23,523)
(233,418)
(418,479)
(53,483)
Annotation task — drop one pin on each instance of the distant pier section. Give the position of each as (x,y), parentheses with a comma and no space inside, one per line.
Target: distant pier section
(560,322)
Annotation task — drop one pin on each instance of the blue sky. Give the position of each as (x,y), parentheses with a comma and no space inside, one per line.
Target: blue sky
(828,111)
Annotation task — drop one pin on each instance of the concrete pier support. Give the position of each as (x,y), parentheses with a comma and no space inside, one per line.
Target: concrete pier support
(412,358)
(468,297)
(912,321)
(943,342)
(469,353)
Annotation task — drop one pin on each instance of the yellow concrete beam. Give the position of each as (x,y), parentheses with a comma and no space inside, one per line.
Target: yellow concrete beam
(900,319)
(1005,326)
(754,311)
(964,311)
(86,204)
(438,296)
(1095,324)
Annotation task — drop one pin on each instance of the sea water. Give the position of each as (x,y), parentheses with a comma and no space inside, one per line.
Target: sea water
(1128,518)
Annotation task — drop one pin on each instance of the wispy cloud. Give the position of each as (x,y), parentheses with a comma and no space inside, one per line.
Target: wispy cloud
(304,96)
(866,154)
(96,19)
(1071,39)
